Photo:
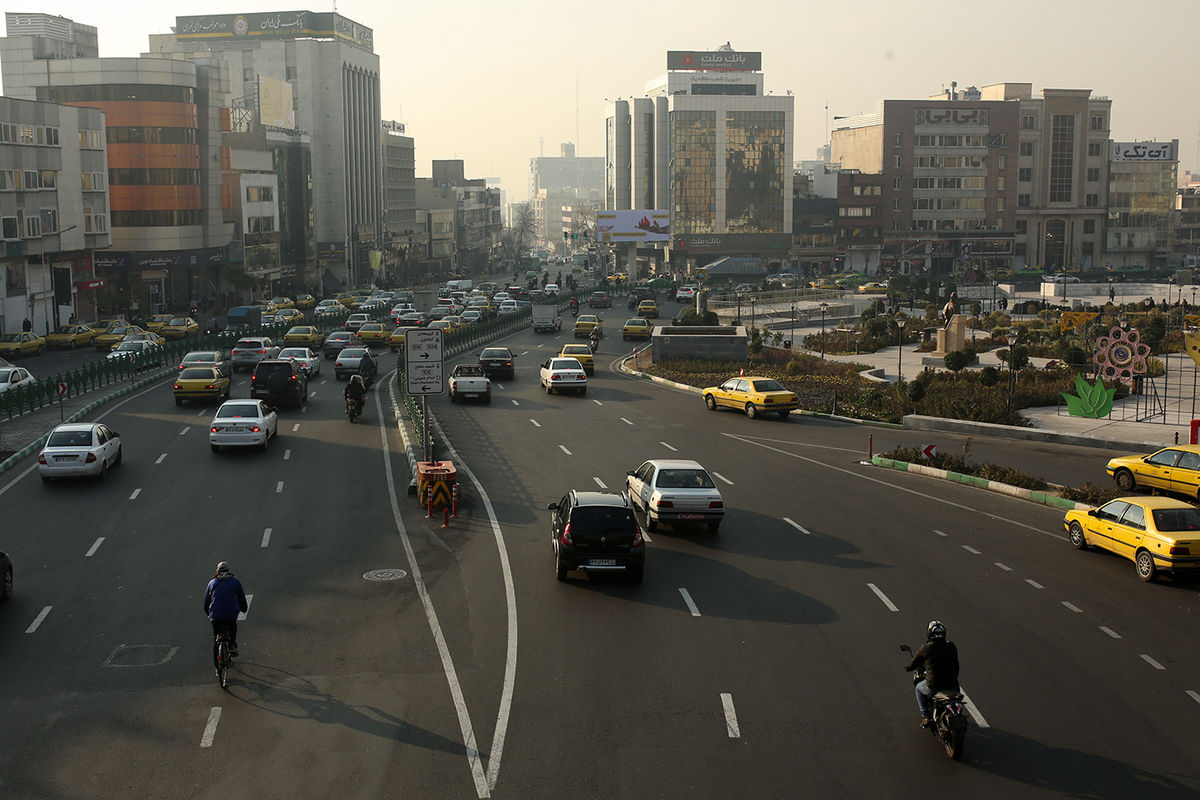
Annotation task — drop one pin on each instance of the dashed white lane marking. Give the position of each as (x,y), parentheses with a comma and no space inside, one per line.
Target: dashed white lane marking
(672,449)
(627,422)
(722,477)
(161,459)
(1072,607)
(287,454)
(647,538)
(536,424)
(525,352)
(515,403)
(1110,632)
(136,492)
(1192,693)
(691,604)
(312,394)
(1004,567)
(266,537)
(973,710)
(1034,583)
(1152,662)
(971,550)
(304,410)
(797,526)
(95,546)
(597,402)
(731,723)
(186,428)
(210,730)
(323,381)
(499,385)
(940,533)
(201,412)
(40,618)
(600,483)
(296,427)
(242,614)
(564,449)
(279,487)
(883,597)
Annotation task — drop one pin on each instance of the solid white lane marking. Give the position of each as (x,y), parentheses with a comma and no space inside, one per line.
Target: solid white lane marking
(38,621)
(287,454)
(95,546)
(1110,632)
(1004,567)
(687,598)
(1072,606)
(1192,693)
(722,477)
(672,449)
(515,403)
(242,614)
(161,458)
(627,422)
(1034,583)
(883,597)
(599,482)
(210,729)
(973,710)
(940,533)
(279,487)
(186,428)
(797,526)
(971,550)
(1152,662)
(731,723)
(536,424)
(266,537)
(136,492)
(564,449)
(296,427)
(597,402)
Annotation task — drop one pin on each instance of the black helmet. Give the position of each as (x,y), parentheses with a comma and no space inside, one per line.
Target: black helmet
(935,630)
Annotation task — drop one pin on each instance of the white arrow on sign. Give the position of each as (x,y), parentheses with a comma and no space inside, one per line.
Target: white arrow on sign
(62,389)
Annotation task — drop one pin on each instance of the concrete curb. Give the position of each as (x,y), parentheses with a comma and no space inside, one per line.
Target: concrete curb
(402,427)
(923,423)
(36,444)
(1034,496)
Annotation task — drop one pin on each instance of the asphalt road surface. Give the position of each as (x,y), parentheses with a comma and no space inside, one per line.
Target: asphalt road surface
(761,661)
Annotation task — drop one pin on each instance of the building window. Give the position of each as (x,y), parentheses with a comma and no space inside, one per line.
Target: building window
(1002,162)
(1019,249)
(899,162)
(8,133)
(1027,148)
(1022,226)
(896,204)
(33,227)
(1062,158)
(259,194)
(898,140)
(260,224)
(1095,148)
(1001,203)
(1029,122)
(247,74)
(896,184)
(8,227)
(52,136)
(31,179)
(1001,183)
(50,220)
(1093,174)
(1025,174)
(1023,201)
(289,73)
(1092,201)
(1089,226)
(1096,123)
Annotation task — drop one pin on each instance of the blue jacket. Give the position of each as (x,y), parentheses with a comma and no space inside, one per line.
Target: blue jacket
(224,598)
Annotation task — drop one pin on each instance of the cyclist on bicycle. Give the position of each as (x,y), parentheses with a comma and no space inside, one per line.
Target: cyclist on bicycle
(224,599)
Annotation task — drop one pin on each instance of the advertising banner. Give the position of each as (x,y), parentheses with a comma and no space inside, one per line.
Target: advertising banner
(733,243)
(275,25)
(727,60)
(1145,151)
(275,103)
(633,226)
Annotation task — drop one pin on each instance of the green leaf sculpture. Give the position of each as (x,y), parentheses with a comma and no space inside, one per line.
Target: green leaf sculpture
(1093,401)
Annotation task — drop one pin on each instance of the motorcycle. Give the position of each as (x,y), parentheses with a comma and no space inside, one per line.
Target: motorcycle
(949,716)
(574,311)
(594,343)
(353,409)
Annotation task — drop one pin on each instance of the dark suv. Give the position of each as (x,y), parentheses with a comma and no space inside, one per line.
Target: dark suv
(279,381)
(599,300)
(596,532)
(497,362)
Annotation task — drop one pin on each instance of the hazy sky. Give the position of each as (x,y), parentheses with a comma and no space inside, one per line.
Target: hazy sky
(488,81)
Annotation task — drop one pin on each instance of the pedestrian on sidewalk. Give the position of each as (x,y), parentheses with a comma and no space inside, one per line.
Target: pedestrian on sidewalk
(27,326)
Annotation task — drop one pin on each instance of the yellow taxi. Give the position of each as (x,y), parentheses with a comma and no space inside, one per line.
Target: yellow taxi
(345,298)
(396,340)
(303,336)
(871,287)
(1172,469)
(373,333)
(456,322)
(823,283)
(180,328)
(636,328)
(581,353)
(305,301)
(648,309)
(70,336)
(754,395)
(112,336)
(1159,534)
(586,324)
(283,302)
(289,315)
(21,344)
(201,383)
(442,325)
(140,336)
(156,321)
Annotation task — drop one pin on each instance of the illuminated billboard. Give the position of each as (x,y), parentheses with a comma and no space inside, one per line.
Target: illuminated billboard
(633,226)
(275,104)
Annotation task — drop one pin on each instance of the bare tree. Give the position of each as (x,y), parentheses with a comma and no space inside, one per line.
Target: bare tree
(583,221)
(516,239)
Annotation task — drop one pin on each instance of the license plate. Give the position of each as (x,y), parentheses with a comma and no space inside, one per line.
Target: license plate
(691,516)
(470,394)
(66,458)
(602,562)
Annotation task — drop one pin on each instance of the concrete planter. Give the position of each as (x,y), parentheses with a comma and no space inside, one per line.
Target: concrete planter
(719,342)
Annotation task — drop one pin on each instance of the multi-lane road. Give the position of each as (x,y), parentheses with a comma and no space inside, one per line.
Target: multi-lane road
(759,662)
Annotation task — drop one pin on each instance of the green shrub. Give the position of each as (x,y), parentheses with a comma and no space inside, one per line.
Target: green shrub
(957,360)
(916,391)
(989,376)
(1075,357)
(1091,494)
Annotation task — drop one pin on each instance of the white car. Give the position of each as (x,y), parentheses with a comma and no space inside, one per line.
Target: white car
(471,316)
(79,449)
(551,289)
(499,297)
(508,307)
(563,373)
(356,321)
(328,307)
(686,293)
(308,361)
(676,491)
(1061,277)
(12,377)
(243,423)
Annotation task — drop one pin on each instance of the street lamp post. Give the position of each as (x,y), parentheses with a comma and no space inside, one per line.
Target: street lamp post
(995,285)
(738,321)
(792,334)
(824,307)
(900,323)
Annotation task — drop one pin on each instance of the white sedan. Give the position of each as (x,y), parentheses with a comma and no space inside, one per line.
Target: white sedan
(243,423)
(12,377)
(508,307)
(563,373)
(551,289)
(79,449)
(308,361)
(676,491)
(130,350)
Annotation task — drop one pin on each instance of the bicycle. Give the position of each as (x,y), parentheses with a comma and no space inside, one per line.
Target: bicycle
(224,658)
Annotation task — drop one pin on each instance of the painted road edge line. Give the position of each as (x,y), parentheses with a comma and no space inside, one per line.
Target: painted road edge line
(731,723)
(691,604)
(210,729)
(973,710)
(882,597)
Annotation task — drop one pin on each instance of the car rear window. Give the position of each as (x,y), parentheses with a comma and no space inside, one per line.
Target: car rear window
(1177,519)
(768,386)
(469,370)
(197,372)
(599,519)
(190,357)
(352,352)
(248,344)
(493,352)
(684,479)
(70,439)
(267,370)
(339,336)
(237,410)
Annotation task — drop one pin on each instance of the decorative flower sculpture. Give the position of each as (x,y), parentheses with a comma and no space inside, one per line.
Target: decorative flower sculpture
(1121,354)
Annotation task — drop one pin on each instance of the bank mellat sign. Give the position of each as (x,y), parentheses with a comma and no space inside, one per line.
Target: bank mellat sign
(725,60)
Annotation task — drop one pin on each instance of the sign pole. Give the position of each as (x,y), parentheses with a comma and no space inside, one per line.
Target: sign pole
(426,438)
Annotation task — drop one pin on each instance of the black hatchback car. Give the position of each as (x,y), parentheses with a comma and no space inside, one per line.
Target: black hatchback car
(279,381)
(336,341)
(597,532)
(497,362)
(599,300)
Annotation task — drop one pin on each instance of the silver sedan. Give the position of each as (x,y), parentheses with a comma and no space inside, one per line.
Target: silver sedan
(676,491)
(79,449)
(243,423)
(308,361)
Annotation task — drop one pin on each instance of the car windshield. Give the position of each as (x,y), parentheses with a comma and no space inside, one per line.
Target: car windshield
(768,385)
(196,373)
(129,346)
(70,439)
(1177,519)
(684,479)
(238,410)
(178,321)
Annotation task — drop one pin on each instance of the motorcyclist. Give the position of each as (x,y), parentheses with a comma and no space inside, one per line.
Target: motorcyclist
(356,390)
(224,599)
(633,302)
(939,658)
(594,340)
(574,306)
(367,368)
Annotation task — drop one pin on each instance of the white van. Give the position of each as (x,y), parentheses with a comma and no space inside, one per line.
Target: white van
(462,285)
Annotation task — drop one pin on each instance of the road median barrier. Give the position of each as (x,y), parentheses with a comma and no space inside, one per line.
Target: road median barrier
(1032,495)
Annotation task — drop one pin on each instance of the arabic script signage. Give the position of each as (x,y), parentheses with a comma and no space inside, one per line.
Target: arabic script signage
(1145,151)
(275,25)
(715,59)
(118,259)
(952,116)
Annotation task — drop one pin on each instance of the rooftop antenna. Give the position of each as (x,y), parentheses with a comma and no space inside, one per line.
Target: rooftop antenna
(577,112)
